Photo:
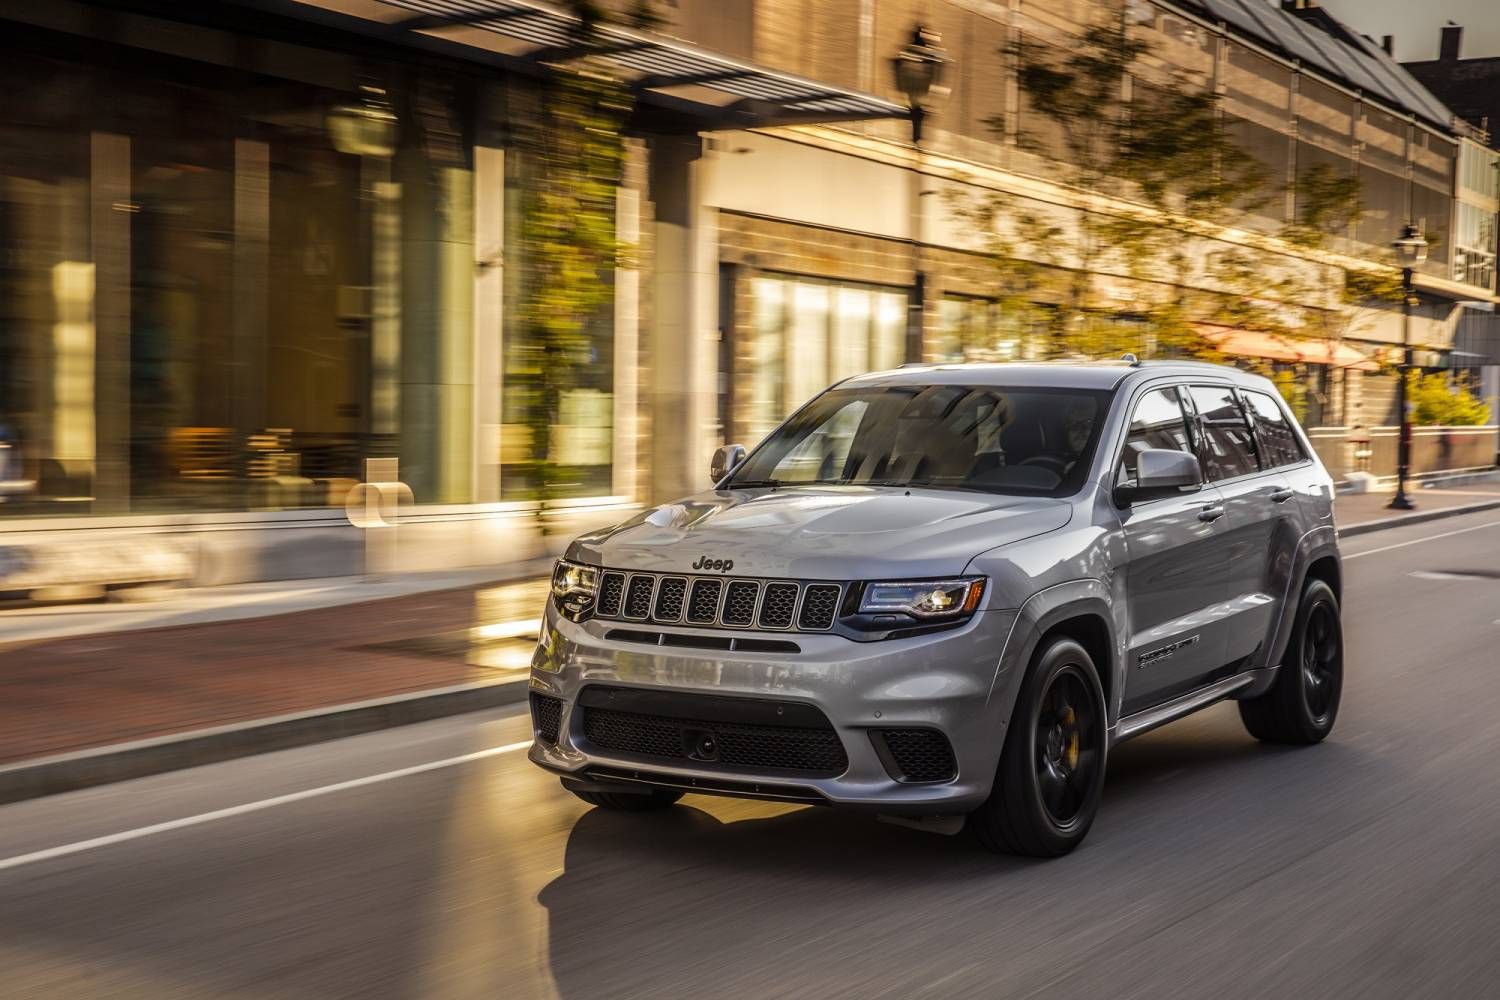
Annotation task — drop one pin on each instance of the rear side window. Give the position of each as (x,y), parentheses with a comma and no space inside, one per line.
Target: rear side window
(1158,422)
(1275,439)
(1228,449)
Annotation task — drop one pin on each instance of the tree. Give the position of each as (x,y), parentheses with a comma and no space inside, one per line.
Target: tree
(576,151)
(1437,401)
(1160,176)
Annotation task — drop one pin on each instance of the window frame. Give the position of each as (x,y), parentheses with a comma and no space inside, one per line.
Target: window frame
(1189,423)
(1287,418)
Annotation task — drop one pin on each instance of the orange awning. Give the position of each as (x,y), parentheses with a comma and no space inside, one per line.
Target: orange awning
(1294,350)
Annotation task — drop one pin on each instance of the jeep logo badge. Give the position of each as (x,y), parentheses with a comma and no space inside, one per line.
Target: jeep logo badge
(717,565)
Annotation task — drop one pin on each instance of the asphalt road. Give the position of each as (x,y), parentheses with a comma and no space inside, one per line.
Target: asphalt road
(433,861)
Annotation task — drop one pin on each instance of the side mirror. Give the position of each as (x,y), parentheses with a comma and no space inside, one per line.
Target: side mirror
(1161,472)
(726,460)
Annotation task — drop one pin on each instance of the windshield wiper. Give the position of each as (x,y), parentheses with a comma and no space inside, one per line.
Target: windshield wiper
(754,484)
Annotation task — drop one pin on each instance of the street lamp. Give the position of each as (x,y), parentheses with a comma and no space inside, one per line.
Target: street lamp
(918,70)
(1411,252)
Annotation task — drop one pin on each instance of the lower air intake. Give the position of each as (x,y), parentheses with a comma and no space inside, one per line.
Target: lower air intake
(546,717)
(916,755)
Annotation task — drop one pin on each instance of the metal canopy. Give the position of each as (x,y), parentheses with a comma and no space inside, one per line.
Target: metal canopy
(711,88)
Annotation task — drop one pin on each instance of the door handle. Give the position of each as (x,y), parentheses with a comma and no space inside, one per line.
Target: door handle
(1281,496)
(1210,513)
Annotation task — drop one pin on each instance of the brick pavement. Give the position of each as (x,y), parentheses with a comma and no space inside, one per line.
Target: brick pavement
(71,694)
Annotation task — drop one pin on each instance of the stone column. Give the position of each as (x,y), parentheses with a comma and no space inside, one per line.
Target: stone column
(685,303)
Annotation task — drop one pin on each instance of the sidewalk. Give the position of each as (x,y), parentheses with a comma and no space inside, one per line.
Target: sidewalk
(221,672)
(1358,513)
(85,691)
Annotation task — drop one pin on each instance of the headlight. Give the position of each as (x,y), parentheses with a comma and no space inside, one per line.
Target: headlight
(929,600)
(574,587)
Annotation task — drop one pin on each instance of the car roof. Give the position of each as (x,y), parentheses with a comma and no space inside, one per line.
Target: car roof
(1045,374)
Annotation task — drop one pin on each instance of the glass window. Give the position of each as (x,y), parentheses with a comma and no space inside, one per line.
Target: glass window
(1228,450)
(1158,422)
(995,439)
(1275,440)
(807,334)
(822,454)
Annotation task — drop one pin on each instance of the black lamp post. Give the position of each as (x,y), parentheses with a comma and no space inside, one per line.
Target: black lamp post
(1411,252)
(918,70)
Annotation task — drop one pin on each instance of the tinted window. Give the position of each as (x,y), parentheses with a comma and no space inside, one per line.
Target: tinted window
(1157,422)
(1228,449)
(1275,439)
(992,438)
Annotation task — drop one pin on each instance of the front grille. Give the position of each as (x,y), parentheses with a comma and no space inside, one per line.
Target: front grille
(739,603)
(638,597)
(916,754)
(611,594)
(669,599)
(546,717)
(713,732)
(718,602)
(819,606)
(777,605)
(703,608)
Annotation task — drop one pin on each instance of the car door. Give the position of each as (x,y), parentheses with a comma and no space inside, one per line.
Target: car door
(1175,582)
(1260,518)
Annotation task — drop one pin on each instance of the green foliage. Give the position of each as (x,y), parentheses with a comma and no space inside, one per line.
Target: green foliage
(575,153)
(1292,389)
(1437,401)
(1170,149)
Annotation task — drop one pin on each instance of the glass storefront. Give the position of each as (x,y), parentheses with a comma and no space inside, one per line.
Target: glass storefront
(971,328)
(806,334)
(223,289)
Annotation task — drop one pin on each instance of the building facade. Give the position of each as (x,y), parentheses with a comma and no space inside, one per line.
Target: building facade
(248,246)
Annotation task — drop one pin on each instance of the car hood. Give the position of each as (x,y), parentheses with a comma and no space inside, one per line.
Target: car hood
(821,533)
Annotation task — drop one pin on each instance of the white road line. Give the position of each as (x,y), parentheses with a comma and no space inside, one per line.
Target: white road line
(80,846)
(1419,541)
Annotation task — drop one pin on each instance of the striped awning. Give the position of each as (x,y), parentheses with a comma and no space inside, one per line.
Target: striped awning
(1290,350)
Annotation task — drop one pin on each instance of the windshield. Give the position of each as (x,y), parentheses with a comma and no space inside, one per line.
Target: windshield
(1032,442)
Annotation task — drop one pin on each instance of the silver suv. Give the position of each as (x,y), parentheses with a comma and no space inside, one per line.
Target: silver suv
(944,593)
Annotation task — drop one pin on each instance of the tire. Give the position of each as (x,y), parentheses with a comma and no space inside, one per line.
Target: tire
(1302,704)
(656,798)
(1051,771)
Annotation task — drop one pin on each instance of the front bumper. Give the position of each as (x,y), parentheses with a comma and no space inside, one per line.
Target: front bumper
(949,681)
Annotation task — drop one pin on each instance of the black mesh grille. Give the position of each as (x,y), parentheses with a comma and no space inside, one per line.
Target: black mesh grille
(611,592)
(546,717)
(703,607)
(777,606)
(739,745)
(919,754)
(669,599)
(638,597)
(739,603)
(819,605)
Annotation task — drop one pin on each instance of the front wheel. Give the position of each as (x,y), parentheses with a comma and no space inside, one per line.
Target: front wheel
(1051,770)
(1304,700)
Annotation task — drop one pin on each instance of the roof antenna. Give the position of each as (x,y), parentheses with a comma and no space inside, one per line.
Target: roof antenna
(1130,359)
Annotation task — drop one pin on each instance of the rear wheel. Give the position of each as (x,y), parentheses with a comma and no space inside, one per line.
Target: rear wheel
(1051,772)
(1301,706)
(656,798)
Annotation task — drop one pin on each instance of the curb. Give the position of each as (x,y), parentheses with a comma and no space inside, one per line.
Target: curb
(1421,516)
(122,762)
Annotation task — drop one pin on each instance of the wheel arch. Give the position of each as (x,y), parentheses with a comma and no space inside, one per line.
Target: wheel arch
(1078,610)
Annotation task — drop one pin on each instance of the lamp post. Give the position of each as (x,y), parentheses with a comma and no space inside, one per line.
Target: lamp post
(918,71)
(1411,252)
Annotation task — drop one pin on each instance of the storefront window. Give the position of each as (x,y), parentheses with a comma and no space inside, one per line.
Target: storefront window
(978,329)
(807,334)
(223,291)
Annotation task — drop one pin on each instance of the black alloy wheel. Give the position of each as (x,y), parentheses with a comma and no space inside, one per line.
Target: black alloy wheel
(1303,702)
(1066,738)
(1051,770)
